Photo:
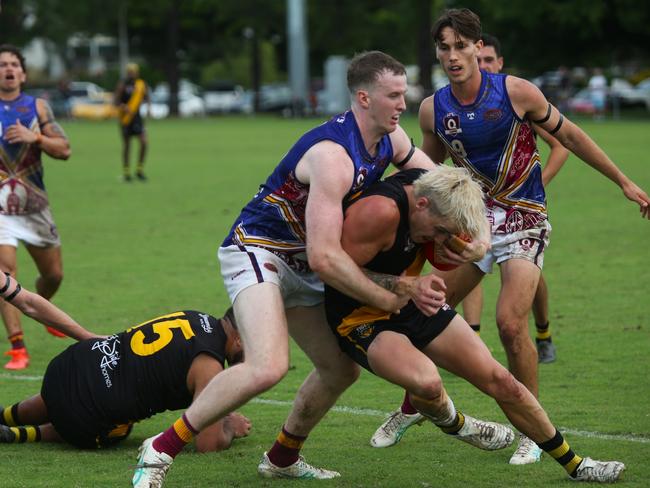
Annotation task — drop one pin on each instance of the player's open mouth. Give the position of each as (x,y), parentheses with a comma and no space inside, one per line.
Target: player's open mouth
(455,69)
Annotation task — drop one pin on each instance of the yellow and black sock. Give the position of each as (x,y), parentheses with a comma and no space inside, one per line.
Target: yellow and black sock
(560,450)
(476,328)
(24,433)
(543,332)
(286,449)
(9,415)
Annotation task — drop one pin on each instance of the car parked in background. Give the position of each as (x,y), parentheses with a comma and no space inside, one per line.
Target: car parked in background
(643,88)
(100,107)
(189,105)
(625,94)
(223,97)
(581,103)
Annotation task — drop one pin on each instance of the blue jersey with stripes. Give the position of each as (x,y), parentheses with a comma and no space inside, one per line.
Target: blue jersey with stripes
(22,190)
(499,148)
(275,218)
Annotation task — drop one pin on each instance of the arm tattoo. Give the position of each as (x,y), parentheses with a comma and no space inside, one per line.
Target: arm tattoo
(54,129)
(387,281)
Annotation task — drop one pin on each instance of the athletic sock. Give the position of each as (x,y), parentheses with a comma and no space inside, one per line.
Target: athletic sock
(407,408)
(560,450)
(9,415)
(286,449)
(476,328)
(26,433)
(543,332)
(16,340)
(449,420)
(174,439)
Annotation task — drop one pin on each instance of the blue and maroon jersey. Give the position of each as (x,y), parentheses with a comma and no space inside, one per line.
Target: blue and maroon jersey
(21,172)
(275,218)
(489,139)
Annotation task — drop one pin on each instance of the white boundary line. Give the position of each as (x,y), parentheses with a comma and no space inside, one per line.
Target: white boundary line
(368,412)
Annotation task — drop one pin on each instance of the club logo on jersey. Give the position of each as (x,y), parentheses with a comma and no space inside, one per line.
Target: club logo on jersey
(514,222)
(493,114)
(471,115)
(364,330)
(451,121)
(361,178)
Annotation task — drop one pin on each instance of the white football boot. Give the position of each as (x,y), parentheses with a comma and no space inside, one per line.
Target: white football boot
(391,431)
(300,469)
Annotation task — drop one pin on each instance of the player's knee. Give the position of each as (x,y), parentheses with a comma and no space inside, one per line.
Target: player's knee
(504,387)
(269,375)
(511,331)
(428,389)
(53,278)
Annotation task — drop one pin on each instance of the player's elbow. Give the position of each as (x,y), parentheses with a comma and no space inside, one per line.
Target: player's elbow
(321,261)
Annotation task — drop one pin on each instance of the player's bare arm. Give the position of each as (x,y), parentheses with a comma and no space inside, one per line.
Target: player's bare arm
(528,101)
(52,139)
(405,154)
(219,435)
(556,158)
(41,310)
(431,145)
(370,227)
(328,170)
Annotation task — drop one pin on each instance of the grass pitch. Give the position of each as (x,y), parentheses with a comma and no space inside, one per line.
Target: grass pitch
(133,251)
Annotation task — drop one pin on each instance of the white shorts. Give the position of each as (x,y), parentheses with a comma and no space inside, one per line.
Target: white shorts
(37,229)
(244,266)
(528,244)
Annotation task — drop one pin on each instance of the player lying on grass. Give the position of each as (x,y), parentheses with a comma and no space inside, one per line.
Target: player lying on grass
(95,390)
(382,232)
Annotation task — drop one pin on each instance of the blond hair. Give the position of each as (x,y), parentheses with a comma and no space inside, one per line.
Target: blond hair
(454,196)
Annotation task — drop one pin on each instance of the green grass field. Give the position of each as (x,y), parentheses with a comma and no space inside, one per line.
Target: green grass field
(134,251)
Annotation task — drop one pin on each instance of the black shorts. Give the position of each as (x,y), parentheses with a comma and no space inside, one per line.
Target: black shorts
(73,416)
(419,328)
(134,128)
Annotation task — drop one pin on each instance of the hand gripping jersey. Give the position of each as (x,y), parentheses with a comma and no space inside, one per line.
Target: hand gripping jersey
(275,218)
(22,190)
(498,148)
(134,374)
(404,256)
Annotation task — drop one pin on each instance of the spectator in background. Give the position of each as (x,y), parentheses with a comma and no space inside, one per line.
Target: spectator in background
(598,92)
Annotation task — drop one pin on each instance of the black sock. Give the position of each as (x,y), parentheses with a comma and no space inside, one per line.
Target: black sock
(560,450)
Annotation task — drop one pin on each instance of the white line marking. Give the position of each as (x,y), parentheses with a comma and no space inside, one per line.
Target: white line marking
(369,412)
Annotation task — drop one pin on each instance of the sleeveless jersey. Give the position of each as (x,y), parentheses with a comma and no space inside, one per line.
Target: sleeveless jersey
(127,93)
(404,255)
(275,218)
(143,371)
(489,139)
(22,190)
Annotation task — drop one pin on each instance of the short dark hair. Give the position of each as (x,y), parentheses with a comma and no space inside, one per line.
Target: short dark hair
(230,315)
(10,48)
(463,22)
(490,40)
(365,68)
